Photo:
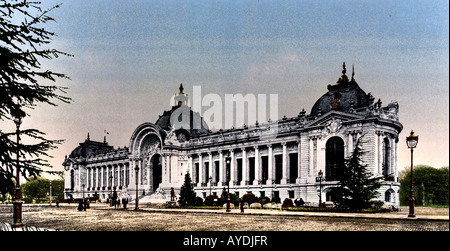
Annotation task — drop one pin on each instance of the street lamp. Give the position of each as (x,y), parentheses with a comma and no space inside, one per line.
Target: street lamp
(82,190)
(228,163)
(17,114)
(111,190)
(319,179)
(411,142)
(136,206)
(50,198)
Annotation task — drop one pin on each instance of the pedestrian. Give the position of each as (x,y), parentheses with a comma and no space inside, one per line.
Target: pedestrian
(57,203)
(125,202)
(242,206)
(80,205)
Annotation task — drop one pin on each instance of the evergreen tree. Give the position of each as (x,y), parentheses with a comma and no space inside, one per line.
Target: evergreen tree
(187,194)
(24,84)
(357,186)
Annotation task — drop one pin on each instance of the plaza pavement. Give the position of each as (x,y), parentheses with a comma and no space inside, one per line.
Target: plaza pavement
(437,214)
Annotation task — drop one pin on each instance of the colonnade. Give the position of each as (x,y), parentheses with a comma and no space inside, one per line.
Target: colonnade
(277,163)
(103,177)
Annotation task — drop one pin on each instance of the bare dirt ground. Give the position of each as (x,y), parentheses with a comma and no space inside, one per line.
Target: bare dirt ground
(103,218)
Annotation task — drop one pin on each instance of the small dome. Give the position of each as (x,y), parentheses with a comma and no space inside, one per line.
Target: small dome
(343,96)
(89,147)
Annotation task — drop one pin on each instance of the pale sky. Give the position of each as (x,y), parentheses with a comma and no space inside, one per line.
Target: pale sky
(131,56)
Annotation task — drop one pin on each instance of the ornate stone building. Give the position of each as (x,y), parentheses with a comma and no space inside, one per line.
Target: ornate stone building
(276,158)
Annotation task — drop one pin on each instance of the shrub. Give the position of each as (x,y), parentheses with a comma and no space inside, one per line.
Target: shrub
(287,203)
(249,198)
(211,200)
(198,201)
(276,200)
(264,200)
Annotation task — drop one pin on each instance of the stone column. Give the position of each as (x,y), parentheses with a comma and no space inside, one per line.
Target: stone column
(190,164)
(210,167)
(270,160)
(284,164)
(221,171)
(380,153)
(258,172)
(232,166)
(200,169)
(244,180)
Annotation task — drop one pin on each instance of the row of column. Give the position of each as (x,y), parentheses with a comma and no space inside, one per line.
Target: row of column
(245,170)
(114,175)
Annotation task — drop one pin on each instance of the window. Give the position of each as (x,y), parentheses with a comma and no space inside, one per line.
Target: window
(293,167)
(196,179)
(239,171)
(386,157)
(334,158)
(265,168)
(388,195)
(251,167)
(278,168)
(291,194)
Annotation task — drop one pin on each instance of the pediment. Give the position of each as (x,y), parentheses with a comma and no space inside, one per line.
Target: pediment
(334,118)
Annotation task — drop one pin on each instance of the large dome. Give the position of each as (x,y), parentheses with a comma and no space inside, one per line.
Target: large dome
(186,122)
(343,96)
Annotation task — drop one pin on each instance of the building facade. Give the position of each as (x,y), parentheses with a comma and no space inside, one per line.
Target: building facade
(274,159)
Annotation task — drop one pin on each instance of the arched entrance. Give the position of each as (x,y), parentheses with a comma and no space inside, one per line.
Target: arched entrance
(334,158)
(156,171)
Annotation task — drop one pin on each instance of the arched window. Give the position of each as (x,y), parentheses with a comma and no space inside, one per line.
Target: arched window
(386,157)
(389,195)
(334,158)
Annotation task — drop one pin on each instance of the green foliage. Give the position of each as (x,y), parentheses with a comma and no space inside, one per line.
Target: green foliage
(263,200)
(234,199)
(38,190)
(187,194)
(24,84)
(356,187)
(430,186)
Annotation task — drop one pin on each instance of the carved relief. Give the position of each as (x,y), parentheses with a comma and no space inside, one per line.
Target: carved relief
(334,125)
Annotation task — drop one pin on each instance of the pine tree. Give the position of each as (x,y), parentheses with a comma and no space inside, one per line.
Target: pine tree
(357,186)
(187,194)
(24,84)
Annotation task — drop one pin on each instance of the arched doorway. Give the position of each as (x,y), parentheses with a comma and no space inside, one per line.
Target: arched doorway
(156,171)
(334,158)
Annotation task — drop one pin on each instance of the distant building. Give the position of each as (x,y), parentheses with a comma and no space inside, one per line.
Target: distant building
(255,158)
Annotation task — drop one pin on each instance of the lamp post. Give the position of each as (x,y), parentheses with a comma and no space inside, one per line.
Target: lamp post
(82,190)
(17,114)
(111,190)
(319,179)
(228,162)
(50,198)
(136,170)
(411,142)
